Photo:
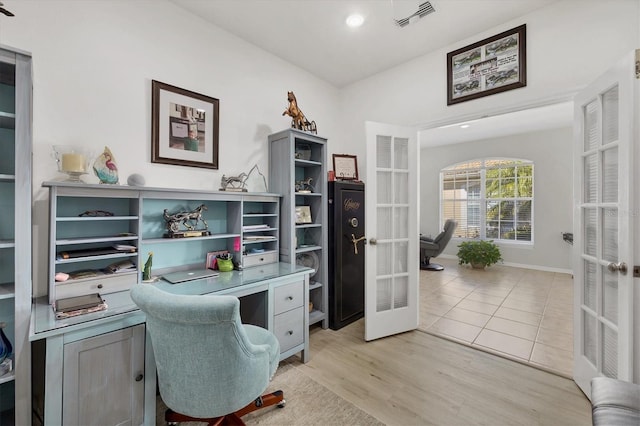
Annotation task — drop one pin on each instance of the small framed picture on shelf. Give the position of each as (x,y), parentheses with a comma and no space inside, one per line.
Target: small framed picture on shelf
(345,167)
(303,215)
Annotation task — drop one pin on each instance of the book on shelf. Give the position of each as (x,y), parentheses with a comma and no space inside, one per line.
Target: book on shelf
(254,227)
(258,237)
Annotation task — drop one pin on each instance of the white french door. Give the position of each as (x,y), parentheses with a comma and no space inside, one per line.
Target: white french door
(391,208)
(605,117)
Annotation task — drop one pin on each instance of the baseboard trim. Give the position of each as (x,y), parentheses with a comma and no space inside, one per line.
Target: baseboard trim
(523,266)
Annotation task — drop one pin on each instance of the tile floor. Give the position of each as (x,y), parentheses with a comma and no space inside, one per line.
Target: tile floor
(521,314)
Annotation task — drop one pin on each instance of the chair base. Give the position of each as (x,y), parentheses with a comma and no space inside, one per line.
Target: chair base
(232,419)
(431,267)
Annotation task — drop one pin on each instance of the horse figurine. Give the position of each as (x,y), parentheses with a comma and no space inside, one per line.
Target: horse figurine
(298,120)
(188,219)
(234,183)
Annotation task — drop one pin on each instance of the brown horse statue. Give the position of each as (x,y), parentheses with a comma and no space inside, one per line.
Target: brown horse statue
(298,120)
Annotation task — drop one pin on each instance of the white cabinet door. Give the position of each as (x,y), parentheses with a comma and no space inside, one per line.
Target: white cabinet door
(606,129)
(103,382)
(391,287)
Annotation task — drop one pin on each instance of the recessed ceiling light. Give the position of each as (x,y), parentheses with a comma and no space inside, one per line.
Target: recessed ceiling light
(355,20)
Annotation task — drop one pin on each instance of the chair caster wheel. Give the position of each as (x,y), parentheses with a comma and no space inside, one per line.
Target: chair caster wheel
(282,404)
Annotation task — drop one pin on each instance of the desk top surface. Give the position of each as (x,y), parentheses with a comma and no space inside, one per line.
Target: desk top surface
(44,323)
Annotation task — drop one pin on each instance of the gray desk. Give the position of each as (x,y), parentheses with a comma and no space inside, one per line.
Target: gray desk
(261,286)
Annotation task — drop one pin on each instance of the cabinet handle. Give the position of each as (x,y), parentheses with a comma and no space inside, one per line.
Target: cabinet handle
(290,332)
(289,297)
(99,285)
(139,377)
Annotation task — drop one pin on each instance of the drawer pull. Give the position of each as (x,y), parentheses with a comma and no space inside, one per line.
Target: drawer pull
(290,332)
(99,285)
(289,297)
(139,377)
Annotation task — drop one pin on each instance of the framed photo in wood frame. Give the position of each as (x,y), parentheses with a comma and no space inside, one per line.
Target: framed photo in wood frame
(345,166)
(490,66)
(184,127)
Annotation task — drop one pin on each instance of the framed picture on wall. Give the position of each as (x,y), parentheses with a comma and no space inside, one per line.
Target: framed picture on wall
(184,127)
(490,66)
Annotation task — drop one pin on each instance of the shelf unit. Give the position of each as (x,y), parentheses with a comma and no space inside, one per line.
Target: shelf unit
(296,156)
(15,229)
(87,221)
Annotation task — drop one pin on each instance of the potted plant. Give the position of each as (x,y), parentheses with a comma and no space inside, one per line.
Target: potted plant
(478,253)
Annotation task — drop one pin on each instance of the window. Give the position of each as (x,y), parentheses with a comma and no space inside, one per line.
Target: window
(490,198)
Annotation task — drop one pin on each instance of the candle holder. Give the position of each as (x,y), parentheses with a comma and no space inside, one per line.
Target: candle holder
(73,161)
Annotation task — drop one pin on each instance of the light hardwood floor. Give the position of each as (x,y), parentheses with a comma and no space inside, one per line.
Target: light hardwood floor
(416,378)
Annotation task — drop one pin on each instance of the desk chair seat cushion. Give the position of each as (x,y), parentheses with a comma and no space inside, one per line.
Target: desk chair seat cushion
(209,364)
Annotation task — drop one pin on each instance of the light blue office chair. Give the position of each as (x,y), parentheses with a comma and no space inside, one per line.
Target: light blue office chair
(211,367)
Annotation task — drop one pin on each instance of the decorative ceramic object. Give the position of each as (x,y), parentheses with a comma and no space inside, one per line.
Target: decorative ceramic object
(146,272)
(72,160)
(105,167)
(135,180)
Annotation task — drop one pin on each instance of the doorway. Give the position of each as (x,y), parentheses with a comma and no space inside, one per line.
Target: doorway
(521,309)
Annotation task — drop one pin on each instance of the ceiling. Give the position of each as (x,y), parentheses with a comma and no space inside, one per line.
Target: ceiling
(313,35)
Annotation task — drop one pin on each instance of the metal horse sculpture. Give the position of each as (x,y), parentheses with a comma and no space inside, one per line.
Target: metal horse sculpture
(234,183)
(188,219)
(298,120)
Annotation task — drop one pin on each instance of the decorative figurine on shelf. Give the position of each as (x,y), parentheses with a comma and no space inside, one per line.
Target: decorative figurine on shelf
(298,120)
(5,345)
(234,183)
(239,183)
(105,167)
(146,272)
(304,186)
(188,221)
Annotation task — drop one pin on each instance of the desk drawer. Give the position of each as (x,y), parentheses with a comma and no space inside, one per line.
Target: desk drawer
(102,285)
(288,328)
(287,297)
(250,260)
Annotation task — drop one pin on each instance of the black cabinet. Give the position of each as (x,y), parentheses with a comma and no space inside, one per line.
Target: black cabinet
(346,253)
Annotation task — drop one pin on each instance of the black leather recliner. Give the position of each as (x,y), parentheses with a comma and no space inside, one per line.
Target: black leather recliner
(433,247)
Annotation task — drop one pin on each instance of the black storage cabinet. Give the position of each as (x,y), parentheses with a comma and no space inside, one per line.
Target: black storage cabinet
(346,267)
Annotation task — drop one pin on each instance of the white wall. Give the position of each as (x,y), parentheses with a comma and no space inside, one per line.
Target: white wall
(93,66)
(550,151)
(568,45)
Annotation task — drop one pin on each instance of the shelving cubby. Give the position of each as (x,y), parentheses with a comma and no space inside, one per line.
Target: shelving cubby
(15,229)
(87,221)
(295,157)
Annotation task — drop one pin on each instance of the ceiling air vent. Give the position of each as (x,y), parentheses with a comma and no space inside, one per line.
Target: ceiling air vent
(423,10)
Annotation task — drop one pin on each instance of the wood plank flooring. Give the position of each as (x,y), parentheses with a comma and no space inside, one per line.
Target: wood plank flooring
(419,379)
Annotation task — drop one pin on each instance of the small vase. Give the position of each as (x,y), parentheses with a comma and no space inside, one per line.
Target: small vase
(5,344)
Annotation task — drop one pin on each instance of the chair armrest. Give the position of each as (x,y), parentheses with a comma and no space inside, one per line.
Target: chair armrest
(428,245)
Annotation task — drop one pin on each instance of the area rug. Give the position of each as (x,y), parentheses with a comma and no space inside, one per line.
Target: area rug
(307,403)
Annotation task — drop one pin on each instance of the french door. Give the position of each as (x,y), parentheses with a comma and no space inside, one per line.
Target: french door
(391,208)
(605,124)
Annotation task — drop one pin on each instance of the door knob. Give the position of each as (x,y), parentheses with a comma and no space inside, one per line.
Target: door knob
(620,267)
(373,241)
